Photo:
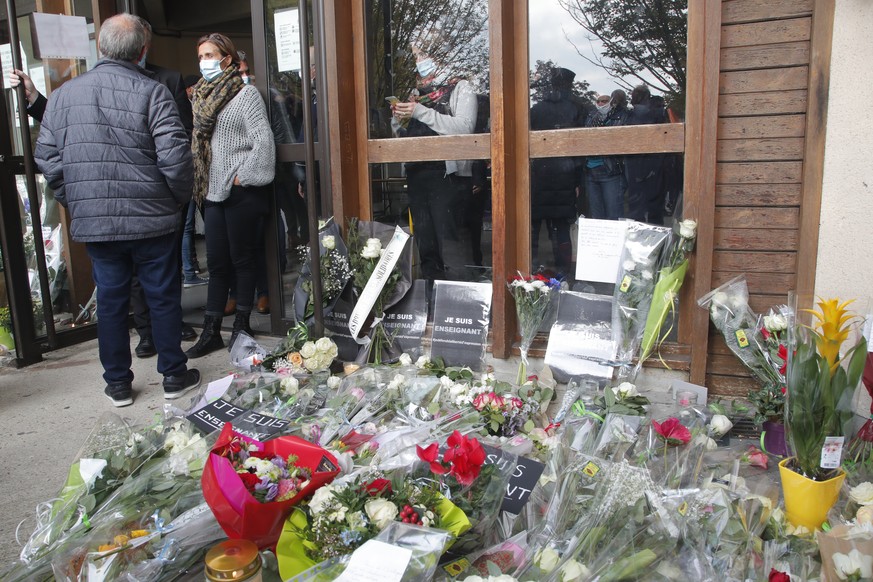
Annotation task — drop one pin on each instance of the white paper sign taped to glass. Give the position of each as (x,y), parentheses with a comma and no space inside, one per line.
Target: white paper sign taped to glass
(581,341)
(287,27)
(377,281)
(56,36)
(600,244)
(460,322)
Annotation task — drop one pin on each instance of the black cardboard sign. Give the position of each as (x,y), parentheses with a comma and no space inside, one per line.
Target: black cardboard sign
(460,322)
(258,426)
(337,322)
(406,322)
(522,481)
(214,415)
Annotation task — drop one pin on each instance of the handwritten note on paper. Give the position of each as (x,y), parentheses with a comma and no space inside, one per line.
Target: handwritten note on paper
(600,245)
(376,561)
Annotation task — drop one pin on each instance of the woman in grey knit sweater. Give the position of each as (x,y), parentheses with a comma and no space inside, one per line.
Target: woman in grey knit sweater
(234,164)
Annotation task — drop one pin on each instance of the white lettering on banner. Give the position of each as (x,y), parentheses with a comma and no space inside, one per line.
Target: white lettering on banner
(376,283)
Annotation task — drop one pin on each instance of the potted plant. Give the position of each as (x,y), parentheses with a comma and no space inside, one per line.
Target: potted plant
(818,411)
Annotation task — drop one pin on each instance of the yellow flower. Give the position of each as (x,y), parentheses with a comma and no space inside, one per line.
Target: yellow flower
(832,329)
(296,360)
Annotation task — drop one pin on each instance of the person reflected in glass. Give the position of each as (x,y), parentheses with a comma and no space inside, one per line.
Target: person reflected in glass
(234,164)
(645,172)
(439,105)
(555,182)
(604,175)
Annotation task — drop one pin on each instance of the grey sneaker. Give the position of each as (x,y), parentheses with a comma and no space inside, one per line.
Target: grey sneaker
(176,386)
(195,281)
(120,394)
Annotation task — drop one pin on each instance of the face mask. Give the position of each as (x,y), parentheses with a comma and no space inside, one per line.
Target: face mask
(425,68)
(246,79)
(210,69)
(142,61)
(603,109)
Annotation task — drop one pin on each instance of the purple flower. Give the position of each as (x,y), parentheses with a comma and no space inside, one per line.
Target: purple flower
(269,489)
(279,462)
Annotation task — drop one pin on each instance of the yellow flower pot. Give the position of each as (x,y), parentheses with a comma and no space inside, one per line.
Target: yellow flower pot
(807,502)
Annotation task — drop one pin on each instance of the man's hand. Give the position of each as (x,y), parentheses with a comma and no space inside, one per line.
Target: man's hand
(30,92)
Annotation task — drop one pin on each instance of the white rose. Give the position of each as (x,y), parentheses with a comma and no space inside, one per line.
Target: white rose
(502,578)
(422,361)
(706,442)
(321,500)
(405,359)
(333,382)
(572,571)
(720,425)
(720,298)
(372,249)
(688,228)
(625,390)
(629,265)
(312,364)
(328,242)
(290,386)
(323,345)
(474,579)
(381,512)
(446,382)
(775,322)
(547,559)
(308,350)
(853,564)
(862,494)
(864,515)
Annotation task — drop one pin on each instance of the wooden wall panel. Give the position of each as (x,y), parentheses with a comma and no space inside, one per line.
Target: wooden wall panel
(761,127)
(753,239)
(785,79)
(757,194)
(770,32)
(741,217)
(739,11)
(765,56)
(759,173)
(752,262)
(739,150)
(772,103)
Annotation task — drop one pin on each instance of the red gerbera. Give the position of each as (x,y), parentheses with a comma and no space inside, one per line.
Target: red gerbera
(672,432)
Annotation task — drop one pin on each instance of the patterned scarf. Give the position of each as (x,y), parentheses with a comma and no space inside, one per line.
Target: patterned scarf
(210,97)
(436,93)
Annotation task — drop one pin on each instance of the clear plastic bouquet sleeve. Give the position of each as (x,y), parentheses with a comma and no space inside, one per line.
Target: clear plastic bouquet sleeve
(331,234)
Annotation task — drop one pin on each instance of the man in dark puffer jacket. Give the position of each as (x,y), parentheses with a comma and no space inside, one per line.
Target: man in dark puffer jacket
(113,148)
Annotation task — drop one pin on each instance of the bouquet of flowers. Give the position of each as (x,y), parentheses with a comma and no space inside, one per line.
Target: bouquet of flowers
(342,517)
(858,461)
(634,290)
(666,292)
(298,354)
(334,269)
(381,261)
(532,296)
(256,511)
(770,340)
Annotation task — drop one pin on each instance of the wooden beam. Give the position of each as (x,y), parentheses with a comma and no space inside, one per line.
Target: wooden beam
(786,79)
(364,202)
(768,32)
(476,146)
(758,150)
(813,165)
(704,34)
(762,127)
(770,103)
(738,11)
(636,139)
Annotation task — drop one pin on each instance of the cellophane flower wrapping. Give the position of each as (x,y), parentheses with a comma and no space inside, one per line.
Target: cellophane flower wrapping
(672,449)
(665,296)
(426,545)
(533,296)
(858,459)
(634,289)
(846,553)
(241,515)
(334,269)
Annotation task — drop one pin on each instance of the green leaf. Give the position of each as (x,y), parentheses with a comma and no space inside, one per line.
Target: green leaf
(529,426)
(495,426)
(493,569)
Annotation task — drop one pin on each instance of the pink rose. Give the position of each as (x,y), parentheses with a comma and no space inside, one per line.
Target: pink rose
(756,457)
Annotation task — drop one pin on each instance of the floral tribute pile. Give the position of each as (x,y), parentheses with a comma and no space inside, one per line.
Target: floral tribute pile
(479,477)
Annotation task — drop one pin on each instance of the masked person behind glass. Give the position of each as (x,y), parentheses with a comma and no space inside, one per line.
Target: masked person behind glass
(234,163)
(604,175)
(438,106)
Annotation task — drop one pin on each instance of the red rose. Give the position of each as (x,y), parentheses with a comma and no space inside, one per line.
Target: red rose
(260,455)
(249,480)
(764,333)
(756,457)
(783,355)
(777,576)
(672,432)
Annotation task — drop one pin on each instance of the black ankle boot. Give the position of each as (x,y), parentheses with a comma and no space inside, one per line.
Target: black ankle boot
(240,323)
(210,339)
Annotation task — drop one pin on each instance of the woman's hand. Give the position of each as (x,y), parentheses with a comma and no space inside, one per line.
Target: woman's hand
(404,109)
(236,181)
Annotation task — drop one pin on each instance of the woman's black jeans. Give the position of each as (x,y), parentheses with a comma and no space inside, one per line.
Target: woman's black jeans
(232,245)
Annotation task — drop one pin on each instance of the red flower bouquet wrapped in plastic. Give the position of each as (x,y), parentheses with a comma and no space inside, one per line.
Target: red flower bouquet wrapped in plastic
(242,502)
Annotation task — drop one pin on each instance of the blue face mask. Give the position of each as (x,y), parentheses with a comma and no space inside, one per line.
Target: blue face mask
(426,68)
(142,61)
(210,68)
(245,79)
